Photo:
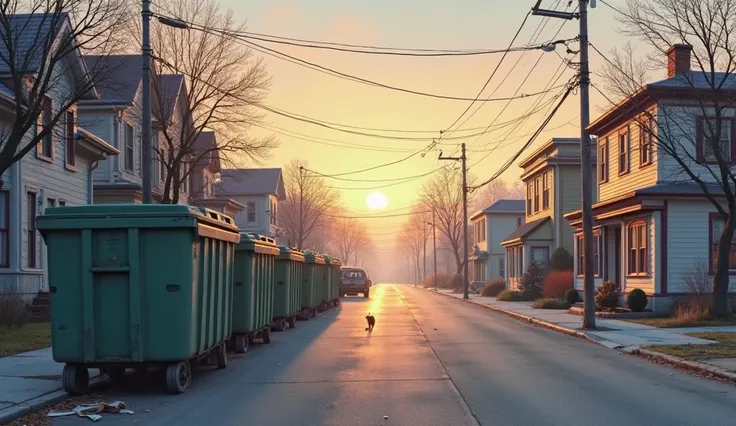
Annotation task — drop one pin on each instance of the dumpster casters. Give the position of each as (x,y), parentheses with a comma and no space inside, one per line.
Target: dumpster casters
(312,284)
(138,285)
(287,301)
(253,290)
(335,274)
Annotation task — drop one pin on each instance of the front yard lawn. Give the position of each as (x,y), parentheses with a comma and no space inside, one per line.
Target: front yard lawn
(678,322)
(32,336)
(725,348)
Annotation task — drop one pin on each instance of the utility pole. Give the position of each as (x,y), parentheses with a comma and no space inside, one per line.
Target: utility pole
(424,256)
(146,174)
(586,175)
(463,159)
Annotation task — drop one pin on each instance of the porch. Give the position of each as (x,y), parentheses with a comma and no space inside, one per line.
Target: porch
(531,242)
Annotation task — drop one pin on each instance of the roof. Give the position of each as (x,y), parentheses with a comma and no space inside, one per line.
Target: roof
(99,143)
(503,206)
(252,182)
(27,30)
(207,142)
(550,143)
(123,76)
(697,80)
(526,229)
(167,90)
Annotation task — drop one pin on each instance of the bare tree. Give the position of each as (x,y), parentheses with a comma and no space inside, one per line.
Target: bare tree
(350,236)
(694,145)
(308,203)
(443,194)
(224,85)
(499,190)
(39,44)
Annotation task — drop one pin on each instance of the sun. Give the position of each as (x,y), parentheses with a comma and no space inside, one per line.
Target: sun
(376,201)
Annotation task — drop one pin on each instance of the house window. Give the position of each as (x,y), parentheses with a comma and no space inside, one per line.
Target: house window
(502,267)
(545,191)
(71,149)
(536,194)
(4,229)
(518,222)
(62,203)
(46,147)
(596,255)
(519,261)
(251,211)
(540,255)
(637,248)
(646,141)
(529,198)
(716,229)
(603,162)
(129,149)
(624,153)
(706,130)
(50,202)
(32,242)
(512,257)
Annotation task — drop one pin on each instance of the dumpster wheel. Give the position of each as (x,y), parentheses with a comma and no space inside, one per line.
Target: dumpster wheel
(178,377)
(266,334)
(241,344)
(292,321)
(75,379)
(280,324)
(221,356)
(115,374)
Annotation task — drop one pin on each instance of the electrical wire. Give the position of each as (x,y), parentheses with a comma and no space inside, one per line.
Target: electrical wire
(378,216)
(368,188)
(318,174)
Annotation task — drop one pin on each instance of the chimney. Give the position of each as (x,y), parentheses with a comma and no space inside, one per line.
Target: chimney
(678,59)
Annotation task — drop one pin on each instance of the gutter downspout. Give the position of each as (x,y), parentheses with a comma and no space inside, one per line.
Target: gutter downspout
(91,179)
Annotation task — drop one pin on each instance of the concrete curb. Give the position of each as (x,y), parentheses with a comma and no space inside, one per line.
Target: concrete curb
(723,374)
(541,323)
(17,411)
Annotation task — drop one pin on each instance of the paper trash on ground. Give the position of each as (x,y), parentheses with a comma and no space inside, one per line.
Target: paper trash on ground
(91,411)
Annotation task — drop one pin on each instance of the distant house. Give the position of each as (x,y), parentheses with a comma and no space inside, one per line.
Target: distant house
(490,227)
(652,223)
(205,176)
(117,116)
(552,178)
(57,172)
(260,191)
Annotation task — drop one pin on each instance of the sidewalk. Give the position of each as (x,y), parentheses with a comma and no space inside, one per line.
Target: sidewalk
(29,381)
(622,334)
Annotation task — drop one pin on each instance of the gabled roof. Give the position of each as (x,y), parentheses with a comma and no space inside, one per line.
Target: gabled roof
(124,74)
(168,87)
(207,143)
(30,31)
(252,182)
(547,145)
(526,229)
(503,206)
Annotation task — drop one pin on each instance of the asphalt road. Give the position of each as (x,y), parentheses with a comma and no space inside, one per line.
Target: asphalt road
(431,360)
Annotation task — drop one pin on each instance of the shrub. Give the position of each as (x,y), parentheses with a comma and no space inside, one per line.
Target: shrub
(561,260)
(443,281)
(572,297)
(556,284)
(686,311)
(13,309)
(548,303)
(493,288)
(699,286)
(530,283)
(636,300)
(606,296)
(510,296)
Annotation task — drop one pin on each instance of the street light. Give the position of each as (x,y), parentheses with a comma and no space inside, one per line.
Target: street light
(146,168)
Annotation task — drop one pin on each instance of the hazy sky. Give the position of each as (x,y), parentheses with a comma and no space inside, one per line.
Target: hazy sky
(445,24)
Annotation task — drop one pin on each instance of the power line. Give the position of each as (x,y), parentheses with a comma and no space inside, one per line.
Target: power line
(359,180)
(392,163)
(378,216)
(388,185)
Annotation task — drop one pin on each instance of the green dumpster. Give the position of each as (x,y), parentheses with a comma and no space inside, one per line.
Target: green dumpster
(138,285)
(335,274)
(312,284)
(287,301)
(253,289)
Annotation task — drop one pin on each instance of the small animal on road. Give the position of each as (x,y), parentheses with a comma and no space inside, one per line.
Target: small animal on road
(371,322)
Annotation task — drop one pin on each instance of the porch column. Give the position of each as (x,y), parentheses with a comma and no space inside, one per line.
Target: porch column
(655,260)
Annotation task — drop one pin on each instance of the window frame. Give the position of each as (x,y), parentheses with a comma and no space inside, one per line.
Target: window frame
(713,245)
(637,248)
(603,161)
(700,139)
(537,193)
(32,257)
(541,248)
(646,143)
(250,210)
(70,133)
(545,190)
(624,151)
(597,254)
(129,138)
(502,267)
(5,230)
(529,193)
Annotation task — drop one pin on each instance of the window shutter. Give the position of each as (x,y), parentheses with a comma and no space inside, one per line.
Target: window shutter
(699,139)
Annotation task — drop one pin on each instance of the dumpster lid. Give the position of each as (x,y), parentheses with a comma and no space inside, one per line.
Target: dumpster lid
(290,253)
(258,243)
(330,260)
(313,257)
(136,211)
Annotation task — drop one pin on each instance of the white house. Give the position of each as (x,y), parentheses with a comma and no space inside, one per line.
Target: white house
(552,178)
(117,116)
(260,191)
(57,172)
(652,223)
(206,175)
(490,227)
